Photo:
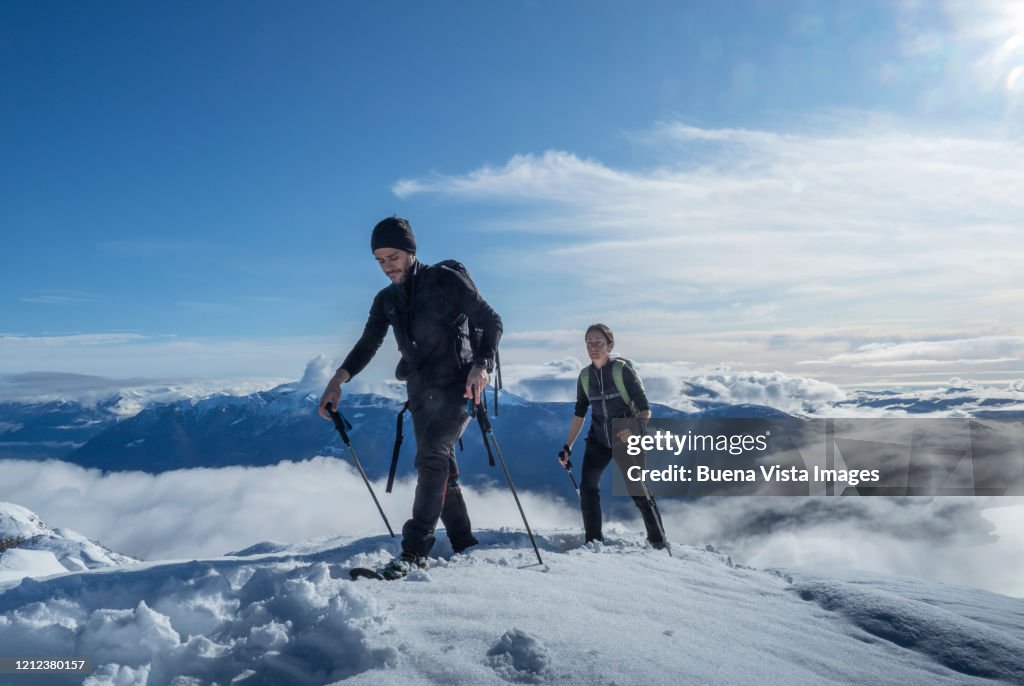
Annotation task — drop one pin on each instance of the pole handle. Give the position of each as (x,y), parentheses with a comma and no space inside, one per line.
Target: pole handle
(340,423)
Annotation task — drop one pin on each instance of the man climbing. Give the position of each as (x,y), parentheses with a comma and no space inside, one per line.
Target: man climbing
(433,311)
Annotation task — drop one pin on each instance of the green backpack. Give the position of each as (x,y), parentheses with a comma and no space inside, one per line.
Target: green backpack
(617,364)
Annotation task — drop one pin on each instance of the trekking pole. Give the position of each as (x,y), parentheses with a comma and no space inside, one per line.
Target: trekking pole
(650,499)
(489,439)
(657,518)
(646,491)
(342,425)
(568,468)
(576,486)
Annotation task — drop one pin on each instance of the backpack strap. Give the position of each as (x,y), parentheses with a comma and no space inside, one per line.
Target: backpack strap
(461,272)
(398,447)
(497,380)
(620,383)
(617,378)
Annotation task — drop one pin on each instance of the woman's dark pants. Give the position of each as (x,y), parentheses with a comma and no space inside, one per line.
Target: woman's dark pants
(595,461)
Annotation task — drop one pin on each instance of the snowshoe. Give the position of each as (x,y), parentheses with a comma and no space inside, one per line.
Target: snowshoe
(392,571)
(364,573)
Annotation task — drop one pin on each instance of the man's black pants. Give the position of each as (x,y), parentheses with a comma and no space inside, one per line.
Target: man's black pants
(437,416)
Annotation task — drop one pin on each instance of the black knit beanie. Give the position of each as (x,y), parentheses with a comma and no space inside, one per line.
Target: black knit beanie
(393,232)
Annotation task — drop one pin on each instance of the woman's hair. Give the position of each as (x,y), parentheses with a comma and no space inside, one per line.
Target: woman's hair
(604,331)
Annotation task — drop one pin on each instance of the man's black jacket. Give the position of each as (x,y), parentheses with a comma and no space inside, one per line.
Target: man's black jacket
(425,314)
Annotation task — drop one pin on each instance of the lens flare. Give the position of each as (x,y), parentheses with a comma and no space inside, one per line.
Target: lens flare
(1015,80)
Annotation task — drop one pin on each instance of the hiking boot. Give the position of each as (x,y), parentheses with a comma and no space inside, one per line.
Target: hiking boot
(401,566)
(657,545)
(463,545)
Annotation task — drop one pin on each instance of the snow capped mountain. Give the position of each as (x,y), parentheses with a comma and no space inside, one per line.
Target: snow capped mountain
(259,429)
(191,427)
(31,548)
(282,424)
(52,429)
(47,415)
(128,396)
(598,614)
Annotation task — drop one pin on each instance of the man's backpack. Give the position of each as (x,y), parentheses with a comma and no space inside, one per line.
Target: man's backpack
(617,363)
(476,333)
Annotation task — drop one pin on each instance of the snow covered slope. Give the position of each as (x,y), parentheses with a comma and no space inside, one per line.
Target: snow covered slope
(41,551)
(619,613)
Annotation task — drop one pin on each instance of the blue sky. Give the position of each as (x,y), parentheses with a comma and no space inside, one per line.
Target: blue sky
(828,189)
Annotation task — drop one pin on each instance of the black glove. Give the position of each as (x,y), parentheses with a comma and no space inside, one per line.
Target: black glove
(564,454)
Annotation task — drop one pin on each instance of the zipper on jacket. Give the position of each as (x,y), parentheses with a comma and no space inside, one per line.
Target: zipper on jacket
(604,405)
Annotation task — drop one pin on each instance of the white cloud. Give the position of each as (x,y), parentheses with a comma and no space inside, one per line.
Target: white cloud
(208,512)
(756,249)
(981,350)
(12,341)
(524,176)
(685,386)
(863,224)
(60,298)
(119,355)
(966,541)
(678,384)
(835,354)
(791,394)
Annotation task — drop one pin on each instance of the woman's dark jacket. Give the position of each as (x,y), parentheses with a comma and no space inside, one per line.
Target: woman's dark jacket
(606,401)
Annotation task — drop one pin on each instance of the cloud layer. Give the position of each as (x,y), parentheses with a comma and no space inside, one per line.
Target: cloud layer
(679,385)
(208,512)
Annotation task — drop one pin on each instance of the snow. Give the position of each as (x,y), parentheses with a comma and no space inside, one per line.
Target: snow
(962,644)
(16,521)
(42,551)
(596,614)
(17,563)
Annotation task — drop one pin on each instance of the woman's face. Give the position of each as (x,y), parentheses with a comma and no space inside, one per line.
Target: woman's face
(597,348)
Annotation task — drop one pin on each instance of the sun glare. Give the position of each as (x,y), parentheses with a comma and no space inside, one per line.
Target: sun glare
(1015,80)
(1008,58)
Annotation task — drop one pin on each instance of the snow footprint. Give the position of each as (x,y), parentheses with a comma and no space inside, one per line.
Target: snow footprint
(520,658)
